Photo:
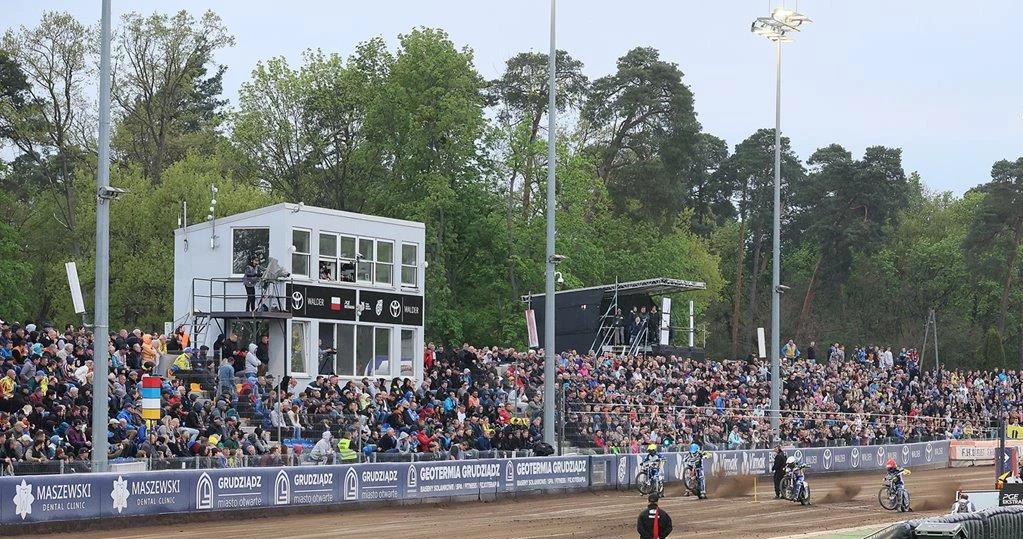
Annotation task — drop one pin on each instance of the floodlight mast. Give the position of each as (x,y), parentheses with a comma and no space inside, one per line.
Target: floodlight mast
(778,28)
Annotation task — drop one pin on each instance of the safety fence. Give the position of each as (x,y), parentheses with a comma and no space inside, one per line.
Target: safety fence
(100,495)
(995,523)
(245,461)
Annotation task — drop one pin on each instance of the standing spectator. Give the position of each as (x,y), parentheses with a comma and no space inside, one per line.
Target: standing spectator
(778,468)
(263,353)
(252,363)
(789,351)
(811,352)
(225,379)
(249,281)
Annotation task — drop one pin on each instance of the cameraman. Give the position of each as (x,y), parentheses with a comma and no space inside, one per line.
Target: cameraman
(653,522)
(249,281)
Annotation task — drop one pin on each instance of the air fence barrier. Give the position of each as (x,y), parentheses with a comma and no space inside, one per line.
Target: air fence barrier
(45,498)
(995,523)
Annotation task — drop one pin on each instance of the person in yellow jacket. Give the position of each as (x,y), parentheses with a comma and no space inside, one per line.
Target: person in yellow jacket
(344,447)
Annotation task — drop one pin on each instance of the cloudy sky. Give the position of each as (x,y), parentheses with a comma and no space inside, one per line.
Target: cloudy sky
(939,79)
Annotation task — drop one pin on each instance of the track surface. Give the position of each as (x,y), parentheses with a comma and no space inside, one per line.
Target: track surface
(840,501)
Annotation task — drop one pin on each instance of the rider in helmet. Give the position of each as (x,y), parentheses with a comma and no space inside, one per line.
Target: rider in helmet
(895,473)
(654,459)
(695,461)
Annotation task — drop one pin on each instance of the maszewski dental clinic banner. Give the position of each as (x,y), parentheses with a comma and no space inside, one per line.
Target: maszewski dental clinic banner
(31,499)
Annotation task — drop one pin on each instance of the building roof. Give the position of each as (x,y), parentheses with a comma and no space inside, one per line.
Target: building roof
(655,287)
(297,208)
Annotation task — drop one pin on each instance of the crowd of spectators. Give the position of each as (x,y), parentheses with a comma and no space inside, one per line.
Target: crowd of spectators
(471,401)
(873,396)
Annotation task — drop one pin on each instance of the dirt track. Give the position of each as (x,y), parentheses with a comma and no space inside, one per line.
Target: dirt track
(840,501)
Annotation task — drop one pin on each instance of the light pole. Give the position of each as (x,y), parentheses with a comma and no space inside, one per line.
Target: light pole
(778,28)
(548,345)
(105,195)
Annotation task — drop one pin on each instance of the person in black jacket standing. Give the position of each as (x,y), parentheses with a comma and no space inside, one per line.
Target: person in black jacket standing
(779,470)
(653,522)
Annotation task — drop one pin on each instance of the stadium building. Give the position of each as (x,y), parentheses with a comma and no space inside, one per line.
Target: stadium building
(329,280)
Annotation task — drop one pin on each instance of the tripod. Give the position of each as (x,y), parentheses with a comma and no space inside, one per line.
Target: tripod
(270,297)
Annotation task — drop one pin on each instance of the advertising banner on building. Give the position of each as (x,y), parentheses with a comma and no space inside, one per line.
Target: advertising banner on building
(322,302)
(390,308)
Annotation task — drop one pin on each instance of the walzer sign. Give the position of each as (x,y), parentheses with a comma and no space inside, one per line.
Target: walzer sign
(28,499)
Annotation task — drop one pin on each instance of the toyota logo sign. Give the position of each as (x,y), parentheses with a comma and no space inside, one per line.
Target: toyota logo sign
(395,309)
(297,301)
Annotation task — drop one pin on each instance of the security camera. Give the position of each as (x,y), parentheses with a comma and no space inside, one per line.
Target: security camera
(557,258)
(782,289)
(110,193)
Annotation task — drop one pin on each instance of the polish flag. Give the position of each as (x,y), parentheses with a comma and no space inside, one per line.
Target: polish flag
(335,304)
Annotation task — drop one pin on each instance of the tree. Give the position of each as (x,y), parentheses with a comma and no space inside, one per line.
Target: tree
(304,130)
(523,95)
(749,173)
(162,85)
(53,129)
(998,224)
(428,127)
(843,208)
(645,135)
(992,354)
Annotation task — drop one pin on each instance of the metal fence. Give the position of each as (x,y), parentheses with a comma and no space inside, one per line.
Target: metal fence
(246,461)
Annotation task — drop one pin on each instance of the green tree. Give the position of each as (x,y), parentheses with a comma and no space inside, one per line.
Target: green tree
(644,136)
(303,131)
(167,99)
(998,225)
(843,208)
(51,131)
(749,173)
(522,96)
(992,354)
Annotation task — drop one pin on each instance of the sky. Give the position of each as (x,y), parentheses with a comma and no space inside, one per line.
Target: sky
(937,78)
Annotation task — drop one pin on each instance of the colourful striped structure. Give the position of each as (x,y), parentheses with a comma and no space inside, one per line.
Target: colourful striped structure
(151,397)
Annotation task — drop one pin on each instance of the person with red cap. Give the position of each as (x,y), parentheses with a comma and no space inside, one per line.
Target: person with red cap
(653,522)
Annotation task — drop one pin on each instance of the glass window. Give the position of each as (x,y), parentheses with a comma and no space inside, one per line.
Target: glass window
(300,258)
(298,347)
(408,353)
(326,352)
(382,352)
(328,244)
(366,256)
(363,350)
(249,243)
(346,350)
(347,247)
(328,269)
(409,264)
(385,262)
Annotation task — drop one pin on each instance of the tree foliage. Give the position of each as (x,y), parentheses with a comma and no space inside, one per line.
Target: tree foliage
(414,131)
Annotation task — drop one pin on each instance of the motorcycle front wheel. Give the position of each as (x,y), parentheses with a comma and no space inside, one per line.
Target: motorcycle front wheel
(884,497)
(643,484)
(786,488)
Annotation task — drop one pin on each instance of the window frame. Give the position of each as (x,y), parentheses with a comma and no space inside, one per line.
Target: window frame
(307,253)
(304,373)
(260,262)
(414,266)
